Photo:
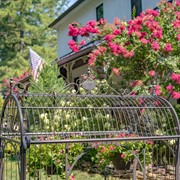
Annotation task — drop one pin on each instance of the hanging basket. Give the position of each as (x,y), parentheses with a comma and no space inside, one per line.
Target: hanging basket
(119,163)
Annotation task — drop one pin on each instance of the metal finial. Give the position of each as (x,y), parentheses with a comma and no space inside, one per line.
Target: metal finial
(89,72)
(11,85)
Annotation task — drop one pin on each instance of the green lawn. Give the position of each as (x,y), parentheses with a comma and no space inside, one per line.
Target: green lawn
(11,172)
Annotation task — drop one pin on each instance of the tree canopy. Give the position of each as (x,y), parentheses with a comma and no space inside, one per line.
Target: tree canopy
(25,23)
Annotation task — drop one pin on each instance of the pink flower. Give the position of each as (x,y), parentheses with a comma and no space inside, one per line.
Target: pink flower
(102,21)
(152,12)
(176,24)
(73,30)
(73,46)
(117,32)
(155,46)
(111,148)
(158,90)
(136,83)
(122,27)
(175,77)
(152,73)
(144,41)
(121,135)
(109,37)
(157,33)
(178,3)
(120,49)
(123,156)
(168,47)
(117,21)
(140,101)
(175,95)
(71,42)
(113,46)
(72,177)
(150,142)
(178,37)
(91,62)
(102,49)
(128,54)
(115,71)
(83,42)
(92,23)
(170,88)
(103,149)
(96,52)
(157,103)
(83,31)
(58,161)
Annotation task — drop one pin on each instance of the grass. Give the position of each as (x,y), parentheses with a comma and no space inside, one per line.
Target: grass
(11,172)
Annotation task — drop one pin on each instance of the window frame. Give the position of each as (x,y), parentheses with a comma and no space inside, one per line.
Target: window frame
(98,9)
(136,3)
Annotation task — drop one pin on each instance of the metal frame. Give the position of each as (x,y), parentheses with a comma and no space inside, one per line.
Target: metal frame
(142,115)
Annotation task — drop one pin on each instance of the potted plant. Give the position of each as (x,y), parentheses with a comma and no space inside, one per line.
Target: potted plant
(122,153)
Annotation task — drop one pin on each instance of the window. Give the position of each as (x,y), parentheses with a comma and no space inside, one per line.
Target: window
(136,8)
(99,12)
(75,38)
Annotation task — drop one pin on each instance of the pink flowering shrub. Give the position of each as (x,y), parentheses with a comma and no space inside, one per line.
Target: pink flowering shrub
(6,83)
(145,49)
(125,149)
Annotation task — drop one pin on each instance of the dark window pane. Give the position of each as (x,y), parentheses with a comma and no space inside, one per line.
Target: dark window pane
(75,38)
(99,12)
(136,5)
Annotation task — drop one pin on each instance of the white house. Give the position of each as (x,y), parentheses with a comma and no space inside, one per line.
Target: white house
(72,65)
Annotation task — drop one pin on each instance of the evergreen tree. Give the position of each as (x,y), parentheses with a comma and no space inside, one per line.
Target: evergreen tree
(48,80)
(25,23)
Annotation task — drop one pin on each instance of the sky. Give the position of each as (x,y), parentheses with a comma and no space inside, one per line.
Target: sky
(72,2)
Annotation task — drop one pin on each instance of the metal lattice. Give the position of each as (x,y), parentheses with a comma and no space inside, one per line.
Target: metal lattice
(34,119)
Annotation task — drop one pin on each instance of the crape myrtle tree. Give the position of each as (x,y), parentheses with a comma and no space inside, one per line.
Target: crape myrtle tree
(141,52)
(25,23)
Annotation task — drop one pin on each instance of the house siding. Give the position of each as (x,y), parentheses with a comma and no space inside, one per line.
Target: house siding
(149,4)
(121,9)
(87,11)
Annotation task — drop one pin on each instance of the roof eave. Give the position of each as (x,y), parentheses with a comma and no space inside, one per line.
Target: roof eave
(74,56)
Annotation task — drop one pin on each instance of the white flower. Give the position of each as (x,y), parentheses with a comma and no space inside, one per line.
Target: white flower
(103,81)
(68,103)
(90,106)
(171,142)
(74,91)
(158,132)
(63,103)
(81,90)
(46,120)
(97,81)
(84,118)
(67,116)
(107,116)
(42,116)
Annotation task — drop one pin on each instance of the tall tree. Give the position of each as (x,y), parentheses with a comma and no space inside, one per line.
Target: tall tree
(25,23)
